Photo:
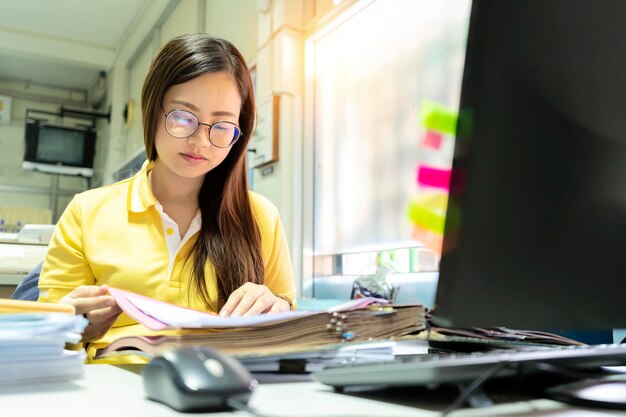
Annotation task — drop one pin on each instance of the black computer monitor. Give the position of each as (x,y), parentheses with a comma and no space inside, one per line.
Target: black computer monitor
(535,235)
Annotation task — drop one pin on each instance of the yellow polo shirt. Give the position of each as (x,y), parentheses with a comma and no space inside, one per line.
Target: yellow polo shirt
(118,235)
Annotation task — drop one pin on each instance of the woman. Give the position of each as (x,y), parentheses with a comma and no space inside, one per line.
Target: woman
(185,229)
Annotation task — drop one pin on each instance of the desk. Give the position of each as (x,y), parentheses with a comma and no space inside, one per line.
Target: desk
(17,260)
(110,391)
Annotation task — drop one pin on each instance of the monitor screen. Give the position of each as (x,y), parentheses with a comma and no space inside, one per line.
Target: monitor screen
(535,234)
(59,149)
(58,145)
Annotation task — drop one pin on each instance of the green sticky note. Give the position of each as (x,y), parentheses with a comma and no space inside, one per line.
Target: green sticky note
(426,217)
(437,117)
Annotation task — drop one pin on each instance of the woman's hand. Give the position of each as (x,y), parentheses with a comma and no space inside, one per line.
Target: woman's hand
(253,299)
(100,309)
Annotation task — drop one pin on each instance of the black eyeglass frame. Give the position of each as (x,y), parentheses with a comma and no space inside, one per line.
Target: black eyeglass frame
(210,126)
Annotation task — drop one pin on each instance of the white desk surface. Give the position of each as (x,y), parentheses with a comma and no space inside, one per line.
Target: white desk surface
(110,391)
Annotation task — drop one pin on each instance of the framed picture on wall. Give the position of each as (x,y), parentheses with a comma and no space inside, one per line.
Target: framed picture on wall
(264,144)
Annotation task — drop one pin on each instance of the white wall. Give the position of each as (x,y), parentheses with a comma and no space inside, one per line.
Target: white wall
(235,21)
(133,46)
(23,188)
(183,19)
(137,72)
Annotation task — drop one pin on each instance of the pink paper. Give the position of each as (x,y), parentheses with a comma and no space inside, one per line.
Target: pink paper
(129,308)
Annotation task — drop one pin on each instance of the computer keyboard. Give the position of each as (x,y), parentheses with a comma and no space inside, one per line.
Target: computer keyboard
(438,368)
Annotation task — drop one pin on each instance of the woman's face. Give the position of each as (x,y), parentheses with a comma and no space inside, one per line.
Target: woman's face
(211,97)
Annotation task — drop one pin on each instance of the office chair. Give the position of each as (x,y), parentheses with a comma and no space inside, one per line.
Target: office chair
(28,288)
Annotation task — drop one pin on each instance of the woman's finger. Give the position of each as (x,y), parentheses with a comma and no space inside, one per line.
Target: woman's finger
(261,304)
(232,302)
(246,302)
(85,305)
(103,314)
(88,291)
(276,308)
(280,305)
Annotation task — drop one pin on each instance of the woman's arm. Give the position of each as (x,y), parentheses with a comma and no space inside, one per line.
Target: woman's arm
(66,275)
(278,292)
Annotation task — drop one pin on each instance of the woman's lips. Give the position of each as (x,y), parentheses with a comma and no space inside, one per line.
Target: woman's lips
(194,159)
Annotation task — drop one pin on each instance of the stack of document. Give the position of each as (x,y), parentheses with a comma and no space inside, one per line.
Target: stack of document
(314,359)
(171,327)
(32,347)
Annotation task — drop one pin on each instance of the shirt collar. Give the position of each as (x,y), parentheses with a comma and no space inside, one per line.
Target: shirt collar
(140,196)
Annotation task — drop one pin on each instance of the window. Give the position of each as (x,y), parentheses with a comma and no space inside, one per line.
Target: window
(370,73)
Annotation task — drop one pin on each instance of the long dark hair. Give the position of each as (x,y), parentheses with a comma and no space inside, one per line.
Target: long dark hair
(230,237)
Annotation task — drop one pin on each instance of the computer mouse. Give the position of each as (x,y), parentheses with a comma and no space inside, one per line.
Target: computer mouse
(197,379)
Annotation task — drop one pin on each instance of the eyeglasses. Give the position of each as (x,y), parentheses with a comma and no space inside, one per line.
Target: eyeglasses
(182,124)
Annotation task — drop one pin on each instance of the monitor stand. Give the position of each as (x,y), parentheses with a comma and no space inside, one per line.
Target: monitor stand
(609,394)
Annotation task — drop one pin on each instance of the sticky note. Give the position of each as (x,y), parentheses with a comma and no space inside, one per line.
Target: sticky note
(433,177)
(428,213)
(432,140)
(437,117)
(432,240)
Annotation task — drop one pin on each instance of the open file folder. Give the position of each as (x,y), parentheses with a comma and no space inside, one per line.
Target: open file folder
(26,306)
(265,333)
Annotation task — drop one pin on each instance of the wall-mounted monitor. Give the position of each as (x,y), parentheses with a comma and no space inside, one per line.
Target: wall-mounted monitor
(59,149)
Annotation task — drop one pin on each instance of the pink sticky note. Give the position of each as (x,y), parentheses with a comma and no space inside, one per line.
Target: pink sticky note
(433,177)
(432,139)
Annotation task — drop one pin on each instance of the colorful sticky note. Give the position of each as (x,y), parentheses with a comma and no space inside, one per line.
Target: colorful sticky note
(437,117)
(429,212)
(432,140)
(432,240)
(433,177)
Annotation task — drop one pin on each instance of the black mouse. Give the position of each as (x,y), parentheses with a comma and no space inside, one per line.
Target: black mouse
(197,379)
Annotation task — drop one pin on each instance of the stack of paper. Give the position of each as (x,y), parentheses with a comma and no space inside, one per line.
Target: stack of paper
(32,347)
(175,327)
(315,358)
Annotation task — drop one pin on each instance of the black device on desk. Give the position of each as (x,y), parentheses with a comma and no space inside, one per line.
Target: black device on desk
(536,226)
(197,379)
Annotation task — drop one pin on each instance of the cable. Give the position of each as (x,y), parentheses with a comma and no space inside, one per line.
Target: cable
(539,366)
(476,383)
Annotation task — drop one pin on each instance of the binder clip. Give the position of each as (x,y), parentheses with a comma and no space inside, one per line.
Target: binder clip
(338,324)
